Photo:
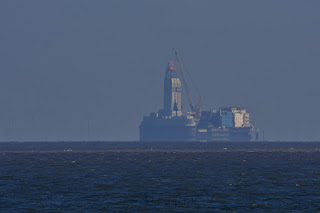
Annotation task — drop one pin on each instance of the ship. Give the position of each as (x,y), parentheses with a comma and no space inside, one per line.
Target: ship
(172,124)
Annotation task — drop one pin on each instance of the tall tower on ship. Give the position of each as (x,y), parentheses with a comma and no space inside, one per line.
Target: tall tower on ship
(172,92)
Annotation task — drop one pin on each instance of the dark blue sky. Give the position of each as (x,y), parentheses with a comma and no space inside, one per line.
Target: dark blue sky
(63,63)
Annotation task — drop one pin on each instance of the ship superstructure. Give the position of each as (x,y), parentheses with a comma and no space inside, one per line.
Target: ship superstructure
(225,124)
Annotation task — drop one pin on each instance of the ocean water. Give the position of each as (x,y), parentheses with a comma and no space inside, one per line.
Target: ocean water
(160,177)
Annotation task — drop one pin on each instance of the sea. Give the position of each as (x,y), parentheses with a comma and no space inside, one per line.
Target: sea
(159,177)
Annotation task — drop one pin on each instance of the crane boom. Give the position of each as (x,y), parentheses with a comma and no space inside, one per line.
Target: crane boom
(181,70)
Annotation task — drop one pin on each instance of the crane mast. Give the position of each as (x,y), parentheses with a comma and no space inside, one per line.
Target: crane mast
(183,78)
(195,110)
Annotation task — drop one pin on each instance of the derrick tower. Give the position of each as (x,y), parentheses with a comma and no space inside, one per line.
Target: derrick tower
(172,92)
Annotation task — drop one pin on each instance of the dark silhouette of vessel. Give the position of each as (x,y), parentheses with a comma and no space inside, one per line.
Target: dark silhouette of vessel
(171,124)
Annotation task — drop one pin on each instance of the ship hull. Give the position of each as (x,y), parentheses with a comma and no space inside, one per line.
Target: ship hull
(169,129)
(225,134)
(151,133)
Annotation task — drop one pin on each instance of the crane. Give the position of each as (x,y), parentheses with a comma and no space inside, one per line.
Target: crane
(196,110)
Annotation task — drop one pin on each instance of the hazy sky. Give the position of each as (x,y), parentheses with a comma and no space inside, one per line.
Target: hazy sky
(63,63)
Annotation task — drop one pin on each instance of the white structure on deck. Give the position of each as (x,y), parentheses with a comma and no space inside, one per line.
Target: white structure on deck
(241,118)
(172,92)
